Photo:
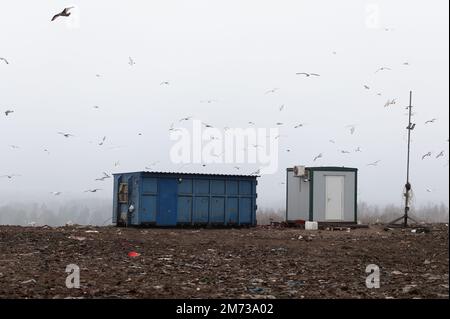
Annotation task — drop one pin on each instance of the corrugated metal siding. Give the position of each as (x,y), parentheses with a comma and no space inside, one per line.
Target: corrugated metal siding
(197,199)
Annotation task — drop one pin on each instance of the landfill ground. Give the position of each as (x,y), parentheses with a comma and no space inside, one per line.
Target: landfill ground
(222,263)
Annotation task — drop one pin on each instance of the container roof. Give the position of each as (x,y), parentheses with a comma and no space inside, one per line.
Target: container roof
(187,174)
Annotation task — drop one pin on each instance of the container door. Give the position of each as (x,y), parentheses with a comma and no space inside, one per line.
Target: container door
(167,196)
(334,198)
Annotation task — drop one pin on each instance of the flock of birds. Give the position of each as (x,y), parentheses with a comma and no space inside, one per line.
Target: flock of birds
(66,12)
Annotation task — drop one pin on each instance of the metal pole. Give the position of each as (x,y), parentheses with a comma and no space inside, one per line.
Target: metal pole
(408,185)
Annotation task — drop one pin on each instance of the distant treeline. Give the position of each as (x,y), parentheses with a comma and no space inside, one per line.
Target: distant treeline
(98,212)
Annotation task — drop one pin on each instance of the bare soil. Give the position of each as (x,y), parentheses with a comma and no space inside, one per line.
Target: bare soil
(222,263)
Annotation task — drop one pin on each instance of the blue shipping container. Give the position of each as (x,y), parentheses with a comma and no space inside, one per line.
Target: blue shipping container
(171,199)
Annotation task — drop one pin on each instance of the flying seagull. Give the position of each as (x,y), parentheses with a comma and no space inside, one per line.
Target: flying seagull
(390,102)
(281,108)
(383,69)
(131,61)
(4,60)
(66,135)
(345,152)
(14,147)
(367,87)
(318,157)
(352,129)
(7,112)
(165,83)
(9,176)
(64,13)
(431,121)
(103,141)
(299,125)
(332,141)
(307,74)
(374,163)
(441,154)
(105,176)
(358,150)
(208,101)
(56,193)
(185,118)
(95,190)
(426,155)
(272,91)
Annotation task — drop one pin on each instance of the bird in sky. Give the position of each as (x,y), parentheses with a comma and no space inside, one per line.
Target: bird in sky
(131,61)
(390,102)
(367,87)
(318,157)
(406,63)
(352,129)
(186,118)
(307,74)
(207,125)
(429,190)
(11,176)
(4,60)
(272,91)
(251,123)
(116,163)
(165,83)
(152,165)
(431,121)
(66,135)
(7,112)
(95,190)
(358,149)
(64,13)
(105,176)
(281,108)
(98,75)
(279,124)
(383,68)
(102,141)
(299,125)
(14,147)
(208,101)
(332,141)
(374,163)
(441,154)
(96,107)
(56,193)
(426,155)
(47,151)
(345,152)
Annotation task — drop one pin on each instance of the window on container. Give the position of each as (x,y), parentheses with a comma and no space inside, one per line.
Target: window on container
(123,193)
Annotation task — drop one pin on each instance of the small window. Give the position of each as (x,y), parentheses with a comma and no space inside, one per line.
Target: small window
(123,193)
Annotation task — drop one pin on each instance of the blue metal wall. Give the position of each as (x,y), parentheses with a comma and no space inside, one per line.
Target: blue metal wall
(168,199)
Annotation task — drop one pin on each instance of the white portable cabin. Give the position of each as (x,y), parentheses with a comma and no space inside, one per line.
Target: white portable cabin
(322,194)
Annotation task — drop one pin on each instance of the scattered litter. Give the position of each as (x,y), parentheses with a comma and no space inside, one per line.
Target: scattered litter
(409,289)
(91,231)
(396,272)
(133,254)
(158,287)
(77,238)
(28,282)
(256,290)
(300,237)
(295,283)
(427,262)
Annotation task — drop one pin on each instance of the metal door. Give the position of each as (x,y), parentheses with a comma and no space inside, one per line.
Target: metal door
(334,198)
(167,198)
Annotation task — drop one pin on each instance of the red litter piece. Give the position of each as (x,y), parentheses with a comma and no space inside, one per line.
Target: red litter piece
(133,254)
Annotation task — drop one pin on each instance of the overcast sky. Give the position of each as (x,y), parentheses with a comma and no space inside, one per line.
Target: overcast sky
(231,52)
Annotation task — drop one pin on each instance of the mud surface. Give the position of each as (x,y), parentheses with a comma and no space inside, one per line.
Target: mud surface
(224,263)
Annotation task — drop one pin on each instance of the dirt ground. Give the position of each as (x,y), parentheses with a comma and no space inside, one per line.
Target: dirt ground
(222,263)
